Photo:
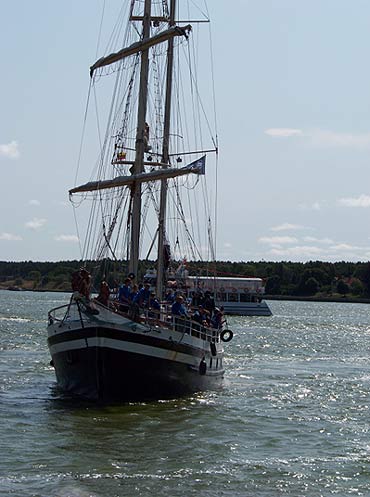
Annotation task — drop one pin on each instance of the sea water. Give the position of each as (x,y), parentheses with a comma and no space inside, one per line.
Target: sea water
(292,418)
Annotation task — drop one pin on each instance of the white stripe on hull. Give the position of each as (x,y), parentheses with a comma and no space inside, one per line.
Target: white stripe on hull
(121,345)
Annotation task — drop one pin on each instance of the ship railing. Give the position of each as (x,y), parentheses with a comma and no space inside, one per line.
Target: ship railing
(59,314)
(162,318)
(75,311)
(185,325)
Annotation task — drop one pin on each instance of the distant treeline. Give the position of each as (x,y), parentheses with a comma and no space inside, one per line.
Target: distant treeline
(312,278)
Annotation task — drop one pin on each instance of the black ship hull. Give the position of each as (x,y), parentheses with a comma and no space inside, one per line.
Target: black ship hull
(101,364)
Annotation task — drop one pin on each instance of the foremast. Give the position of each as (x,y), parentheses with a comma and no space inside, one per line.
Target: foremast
(139,146)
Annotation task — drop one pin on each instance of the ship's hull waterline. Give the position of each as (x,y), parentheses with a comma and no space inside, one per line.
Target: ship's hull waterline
(103,363)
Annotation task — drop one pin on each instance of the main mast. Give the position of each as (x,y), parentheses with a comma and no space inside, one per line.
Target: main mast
(138,175)
(140,145)
(165,157)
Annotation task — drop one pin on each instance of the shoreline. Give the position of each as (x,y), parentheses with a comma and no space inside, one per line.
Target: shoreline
(297,298)
(346,300)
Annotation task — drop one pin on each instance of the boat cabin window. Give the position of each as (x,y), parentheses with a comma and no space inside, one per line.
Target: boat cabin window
(232,297)
(245,297)
(221,297)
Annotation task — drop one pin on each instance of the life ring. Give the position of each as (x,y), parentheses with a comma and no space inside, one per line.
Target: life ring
(226,335)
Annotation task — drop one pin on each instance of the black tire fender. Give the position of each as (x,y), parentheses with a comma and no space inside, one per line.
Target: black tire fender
(226,335)
(213,349)
(202,367)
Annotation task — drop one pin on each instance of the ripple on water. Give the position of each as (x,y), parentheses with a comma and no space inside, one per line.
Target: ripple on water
(291,419)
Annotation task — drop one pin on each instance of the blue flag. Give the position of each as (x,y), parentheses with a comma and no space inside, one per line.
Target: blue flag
(199,165)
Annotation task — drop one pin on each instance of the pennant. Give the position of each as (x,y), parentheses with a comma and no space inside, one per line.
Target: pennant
(199,165)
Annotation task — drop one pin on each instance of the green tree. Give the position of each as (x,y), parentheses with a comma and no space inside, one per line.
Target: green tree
(342,287)
(34,276)
(273,286)
(310,287)
(363,273)
(356,288)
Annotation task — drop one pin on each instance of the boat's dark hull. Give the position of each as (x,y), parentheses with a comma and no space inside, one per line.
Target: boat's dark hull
(111,373)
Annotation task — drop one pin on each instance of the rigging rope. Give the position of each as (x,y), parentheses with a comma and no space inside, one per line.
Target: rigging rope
(100,30)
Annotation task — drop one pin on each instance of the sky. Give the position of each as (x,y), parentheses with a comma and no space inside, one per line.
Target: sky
(293,104)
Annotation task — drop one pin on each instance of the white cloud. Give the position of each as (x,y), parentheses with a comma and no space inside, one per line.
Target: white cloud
(327,252)
(324,138)
(287,227)
(277,240)
(283,132)
(304,251)
(34,202)
(10,237)
(66,238)
(361,201)
(345,247)
(10,150)
(333,139)
(315,206)
(35,223)
(312,239)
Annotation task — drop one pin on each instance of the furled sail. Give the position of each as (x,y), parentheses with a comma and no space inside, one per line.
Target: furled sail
(196,167)
(140,46)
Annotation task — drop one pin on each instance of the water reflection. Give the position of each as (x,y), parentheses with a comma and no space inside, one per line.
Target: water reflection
(292,417)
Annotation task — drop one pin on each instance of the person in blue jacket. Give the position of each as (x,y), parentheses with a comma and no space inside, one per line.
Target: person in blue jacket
(142,298)
(178,307)
(124,295)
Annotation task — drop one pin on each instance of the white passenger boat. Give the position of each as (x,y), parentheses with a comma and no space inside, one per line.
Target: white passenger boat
(239,296)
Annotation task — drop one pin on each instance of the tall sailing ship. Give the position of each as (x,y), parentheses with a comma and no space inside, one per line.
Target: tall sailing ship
(148,194)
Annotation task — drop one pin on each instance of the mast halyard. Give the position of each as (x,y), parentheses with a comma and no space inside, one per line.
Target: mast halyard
(140,146)
(165,159)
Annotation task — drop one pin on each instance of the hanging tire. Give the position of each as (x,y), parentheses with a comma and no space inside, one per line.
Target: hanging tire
(226,335)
